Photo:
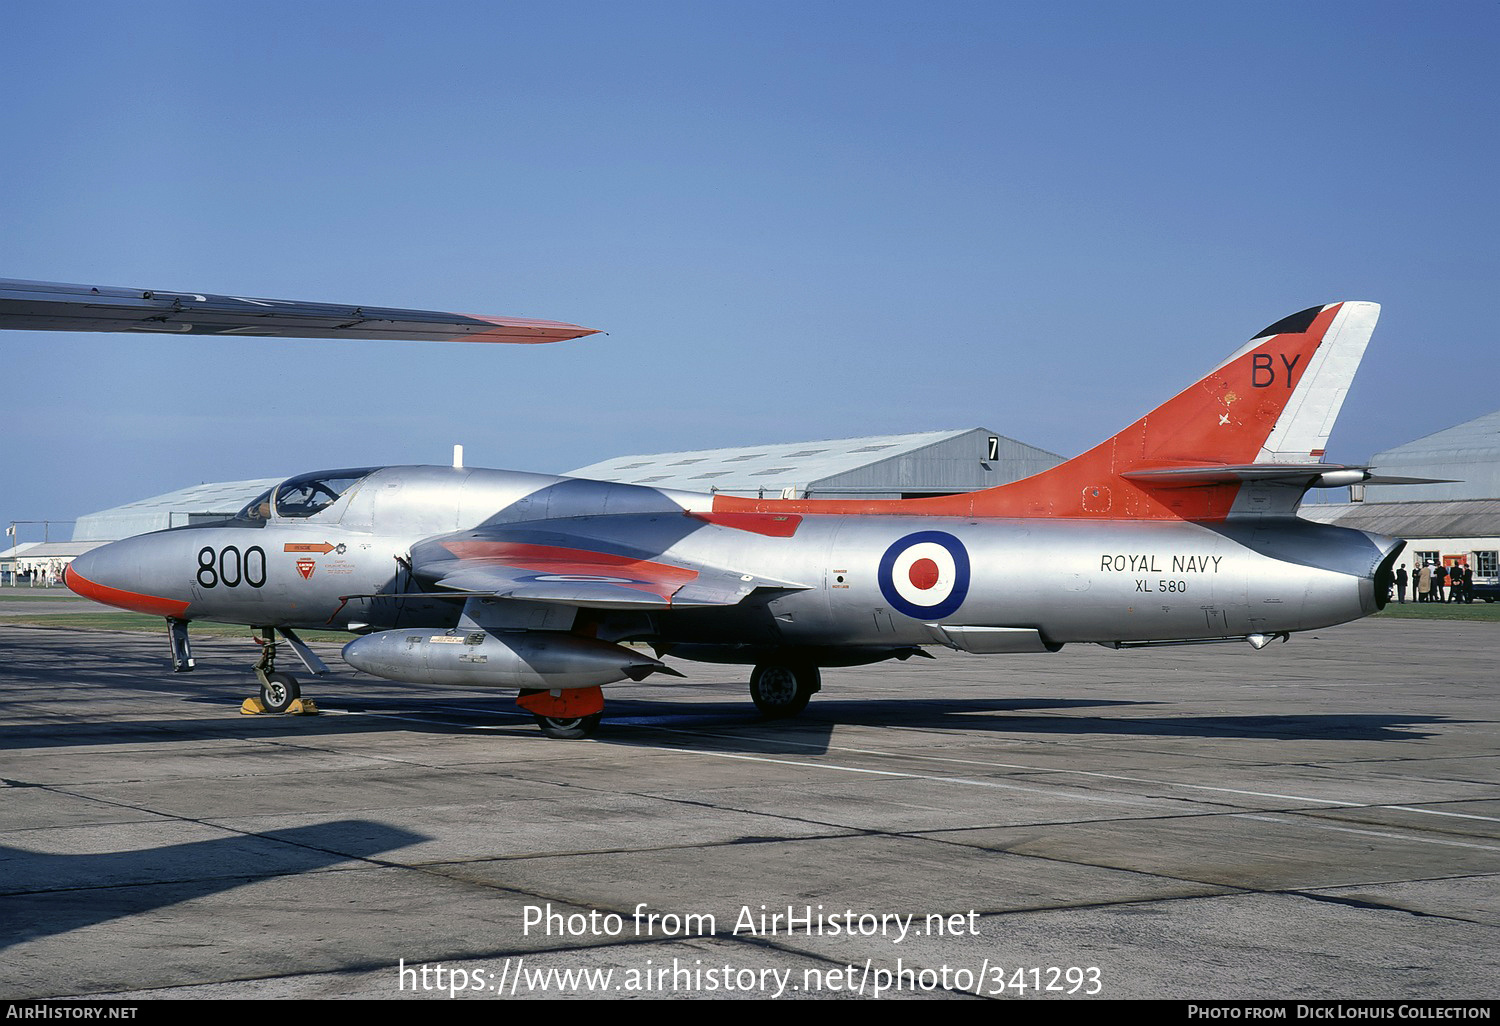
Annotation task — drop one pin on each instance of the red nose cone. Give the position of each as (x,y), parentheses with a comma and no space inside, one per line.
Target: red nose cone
(133,601)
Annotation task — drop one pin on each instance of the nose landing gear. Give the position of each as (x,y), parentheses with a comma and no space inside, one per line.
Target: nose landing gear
(280,693)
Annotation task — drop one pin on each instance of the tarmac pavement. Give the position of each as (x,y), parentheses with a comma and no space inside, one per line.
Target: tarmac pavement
(1317,820)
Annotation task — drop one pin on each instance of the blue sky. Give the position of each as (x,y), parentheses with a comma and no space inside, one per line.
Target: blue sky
(795,220)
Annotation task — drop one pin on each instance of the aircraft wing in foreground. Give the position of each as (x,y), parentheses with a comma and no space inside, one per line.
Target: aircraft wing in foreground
(55,306)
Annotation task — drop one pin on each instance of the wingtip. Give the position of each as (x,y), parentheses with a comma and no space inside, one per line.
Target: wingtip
(525,330)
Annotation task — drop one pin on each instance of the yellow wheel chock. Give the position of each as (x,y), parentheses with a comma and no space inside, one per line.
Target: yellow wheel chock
(299,707)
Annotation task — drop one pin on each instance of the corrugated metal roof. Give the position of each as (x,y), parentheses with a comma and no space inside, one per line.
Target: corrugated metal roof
(807,461)
(1453,518)
(1474,439)
(1467,454)
(213,495)
(157,512)
(889,465)
(55,550)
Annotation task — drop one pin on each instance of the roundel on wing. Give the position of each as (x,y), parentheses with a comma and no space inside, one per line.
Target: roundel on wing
(925,575)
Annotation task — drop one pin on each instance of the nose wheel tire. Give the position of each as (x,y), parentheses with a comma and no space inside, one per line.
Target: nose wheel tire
(781,690)
(278,691)
(569,728)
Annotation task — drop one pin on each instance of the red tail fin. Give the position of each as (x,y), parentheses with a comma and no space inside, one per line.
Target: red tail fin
(1271,404)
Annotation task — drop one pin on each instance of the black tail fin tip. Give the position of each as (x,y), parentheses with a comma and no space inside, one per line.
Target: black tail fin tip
(1296,324)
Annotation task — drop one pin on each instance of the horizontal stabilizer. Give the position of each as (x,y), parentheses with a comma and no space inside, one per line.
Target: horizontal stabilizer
(1381,479)
(1310,475)
(54,306)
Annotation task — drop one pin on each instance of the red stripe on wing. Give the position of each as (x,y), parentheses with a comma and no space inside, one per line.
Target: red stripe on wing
(641,574)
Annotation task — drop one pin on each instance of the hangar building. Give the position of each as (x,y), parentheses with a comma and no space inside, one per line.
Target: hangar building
(1454,522)
(198,504)
(41,563)
(1468,453)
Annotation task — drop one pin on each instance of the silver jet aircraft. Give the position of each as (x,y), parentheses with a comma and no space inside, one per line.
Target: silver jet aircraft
(1180,529)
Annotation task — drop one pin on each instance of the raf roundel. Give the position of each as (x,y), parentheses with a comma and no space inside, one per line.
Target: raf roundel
(925,575)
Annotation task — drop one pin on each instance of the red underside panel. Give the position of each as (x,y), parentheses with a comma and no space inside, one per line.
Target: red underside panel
(151,604)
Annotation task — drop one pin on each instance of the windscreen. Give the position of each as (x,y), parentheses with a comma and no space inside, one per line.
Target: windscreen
(257,511)
(309,494)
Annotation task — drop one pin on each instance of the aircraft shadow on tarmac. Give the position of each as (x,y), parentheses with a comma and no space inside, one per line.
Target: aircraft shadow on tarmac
(1000,718)
(47,894)
(718,725)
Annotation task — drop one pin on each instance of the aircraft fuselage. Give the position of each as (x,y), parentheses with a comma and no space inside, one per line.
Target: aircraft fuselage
(982,584)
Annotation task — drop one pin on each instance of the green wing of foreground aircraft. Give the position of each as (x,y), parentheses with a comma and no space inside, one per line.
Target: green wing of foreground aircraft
(1181,528)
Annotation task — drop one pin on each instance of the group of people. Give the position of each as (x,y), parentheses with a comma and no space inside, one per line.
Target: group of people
(1432,582)
(40,575)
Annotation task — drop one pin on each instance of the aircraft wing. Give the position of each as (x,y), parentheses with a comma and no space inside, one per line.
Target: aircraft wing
(54,306)
(535,564)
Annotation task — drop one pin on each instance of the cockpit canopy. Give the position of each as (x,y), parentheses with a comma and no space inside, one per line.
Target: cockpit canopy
(304,495)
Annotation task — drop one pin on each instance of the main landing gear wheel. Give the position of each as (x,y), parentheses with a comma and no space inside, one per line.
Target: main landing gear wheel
(571,722)
(572,728)
(278,691)
(781,690)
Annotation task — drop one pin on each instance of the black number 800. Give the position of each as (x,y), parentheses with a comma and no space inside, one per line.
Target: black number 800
(229,568)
